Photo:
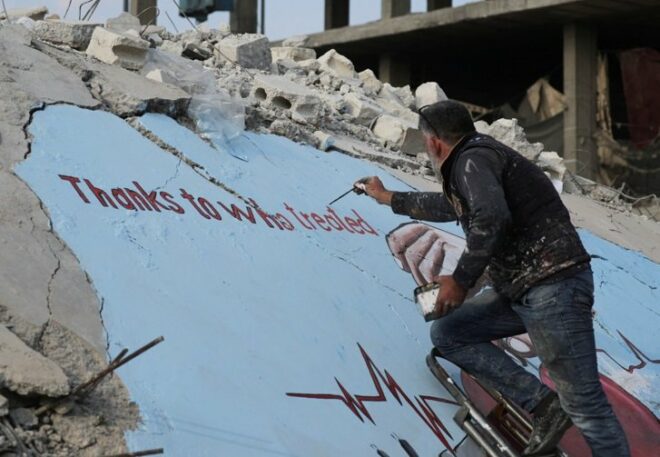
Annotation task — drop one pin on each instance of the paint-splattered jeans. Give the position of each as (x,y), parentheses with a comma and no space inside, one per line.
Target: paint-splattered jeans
(558,319)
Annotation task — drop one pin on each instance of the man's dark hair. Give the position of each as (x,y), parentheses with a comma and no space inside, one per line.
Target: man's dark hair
(448,120)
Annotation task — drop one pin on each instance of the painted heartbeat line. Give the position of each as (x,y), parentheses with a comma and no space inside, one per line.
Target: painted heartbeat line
(357,403)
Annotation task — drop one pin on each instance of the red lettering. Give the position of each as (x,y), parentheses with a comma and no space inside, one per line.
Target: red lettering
(366,227)
(191,199)
(239,214)
(306,216)
(354,225)
(74,182)
(174,206)
(286,223)
(101,195)
(267,218)
(122,198)
(292,211)
(152,197)
(321,222)
(138,200)
(209,208)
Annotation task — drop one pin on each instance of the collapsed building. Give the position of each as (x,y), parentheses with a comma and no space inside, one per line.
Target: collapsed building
(177,185)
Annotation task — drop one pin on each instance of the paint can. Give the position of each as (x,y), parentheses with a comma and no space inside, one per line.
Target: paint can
(425,297)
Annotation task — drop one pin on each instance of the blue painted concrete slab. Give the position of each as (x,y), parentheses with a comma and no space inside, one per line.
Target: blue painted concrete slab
(253,310)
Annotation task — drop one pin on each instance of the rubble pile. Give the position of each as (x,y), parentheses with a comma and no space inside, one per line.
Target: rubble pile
(39,366)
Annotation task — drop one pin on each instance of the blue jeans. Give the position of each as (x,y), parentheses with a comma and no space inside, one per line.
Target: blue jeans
(557,317)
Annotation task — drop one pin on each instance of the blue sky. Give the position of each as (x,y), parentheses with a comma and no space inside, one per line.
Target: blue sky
(283,17)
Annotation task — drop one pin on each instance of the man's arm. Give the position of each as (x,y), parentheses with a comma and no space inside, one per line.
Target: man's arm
(478,176)
(426,206)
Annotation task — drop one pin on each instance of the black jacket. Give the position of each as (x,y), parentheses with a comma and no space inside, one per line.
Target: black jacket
(514,220)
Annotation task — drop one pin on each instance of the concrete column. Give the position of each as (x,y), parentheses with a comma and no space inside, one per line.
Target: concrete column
(336,13)
(394,69)
(145,10)
(244,17)
(437,4)
(580,67)
(393,8)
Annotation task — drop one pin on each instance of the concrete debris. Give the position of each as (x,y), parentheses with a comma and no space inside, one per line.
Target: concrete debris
(413,143)
(36,14)
(429,93)
(371,84)
(325,141)
(172,47)
(123,23)
(363,110)
(125,50)
(391,130)
(337,64)
(292,53)
(297,41)
(510,133)
(75,34)
(25,418)
(279,92)
(26,372)
(26,22)
(401,95)
(248,50)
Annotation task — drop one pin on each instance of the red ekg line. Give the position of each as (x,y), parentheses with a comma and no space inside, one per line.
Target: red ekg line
(356,403)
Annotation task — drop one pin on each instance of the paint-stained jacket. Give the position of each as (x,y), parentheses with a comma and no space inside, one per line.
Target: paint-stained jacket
(514,220)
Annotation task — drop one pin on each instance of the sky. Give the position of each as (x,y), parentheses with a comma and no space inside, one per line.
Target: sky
(284,18)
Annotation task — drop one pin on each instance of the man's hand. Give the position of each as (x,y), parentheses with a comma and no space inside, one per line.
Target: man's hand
(451,295)
(373,187)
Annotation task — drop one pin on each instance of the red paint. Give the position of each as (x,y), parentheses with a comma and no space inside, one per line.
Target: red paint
(357,403)
(635,350)
(74,182)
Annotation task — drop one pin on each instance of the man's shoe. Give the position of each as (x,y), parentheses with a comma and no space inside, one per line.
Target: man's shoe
(549,425)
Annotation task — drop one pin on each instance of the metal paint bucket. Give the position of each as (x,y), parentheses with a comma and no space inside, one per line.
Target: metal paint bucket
(425,297)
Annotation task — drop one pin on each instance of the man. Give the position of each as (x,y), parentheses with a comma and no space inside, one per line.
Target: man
(519,232)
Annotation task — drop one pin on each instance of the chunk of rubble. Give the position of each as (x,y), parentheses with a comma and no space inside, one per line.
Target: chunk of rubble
(114,48)
(172,47)
(371,84)
(297,41)
(509,132)
(391,130)
(281,93)
(292,53)
(337,64)
(248,50)
(26,372)
(401,95)
(123,23)
(326,141)
(36,14)
(428,94)
(413,142)
(76,34)
(361,109)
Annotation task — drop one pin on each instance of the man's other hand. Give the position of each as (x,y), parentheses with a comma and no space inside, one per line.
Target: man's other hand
(373,187)
(451,295)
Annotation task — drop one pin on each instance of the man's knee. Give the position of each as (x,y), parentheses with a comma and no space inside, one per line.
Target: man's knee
(443,334)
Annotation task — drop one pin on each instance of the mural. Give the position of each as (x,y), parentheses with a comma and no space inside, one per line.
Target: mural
(289,328)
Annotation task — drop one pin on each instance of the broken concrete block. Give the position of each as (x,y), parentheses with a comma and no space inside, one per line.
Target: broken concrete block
(114,48)
(326,141)
(297,41)
(362,109)
(248,50)
(26,372)
(292,53)
(413,142)
(26,22)
(155,29)
(76,34)
(36,14)
(370,83)
(123,23)
(391,130)
(196,51)
(401,95)
(509,132)
(336,63)
(429,93)
(282,93)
